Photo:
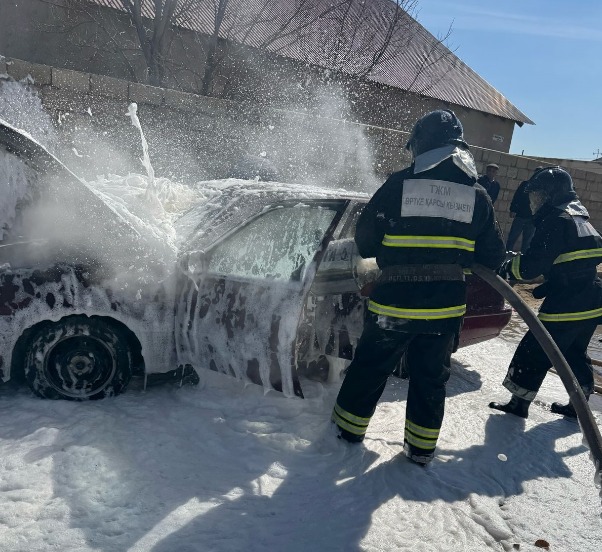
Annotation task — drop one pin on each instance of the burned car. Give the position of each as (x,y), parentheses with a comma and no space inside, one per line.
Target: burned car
(262,281)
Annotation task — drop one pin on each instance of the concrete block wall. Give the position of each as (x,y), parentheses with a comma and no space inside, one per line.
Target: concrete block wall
(575,164)
(196,138)
(515,168)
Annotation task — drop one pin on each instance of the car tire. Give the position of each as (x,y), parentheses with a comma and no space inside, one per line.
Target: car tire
(77,358)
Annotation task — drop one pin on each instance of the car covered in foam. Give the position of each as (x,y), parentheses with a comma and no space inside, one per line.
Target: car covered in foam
(258,280)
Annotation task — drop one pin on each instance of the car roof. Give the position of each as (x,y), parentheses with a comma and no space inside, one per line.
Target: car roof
(226,203)
(238,187)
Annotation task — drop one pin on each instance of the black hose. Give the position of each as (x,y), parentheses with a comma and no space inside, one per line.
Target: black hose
(584,414)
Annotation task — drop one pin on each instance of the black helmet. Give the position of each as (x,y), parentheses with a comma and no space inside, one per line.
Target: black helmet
(554,181)
(434,130)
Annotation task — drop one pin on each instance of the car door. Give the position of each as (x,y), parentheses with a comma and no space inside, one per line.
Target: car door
(239,306)
(336,304)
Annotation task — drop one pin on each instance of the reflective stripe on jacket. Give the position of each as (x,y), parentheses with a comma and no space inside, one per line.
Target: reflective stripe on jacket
(570,316)
(417,314)
(443,242)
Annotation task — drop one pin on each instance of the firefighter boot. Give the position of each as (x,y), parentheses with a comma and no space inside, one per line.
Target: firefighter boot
(563,409)
(517,406)
(566,409)
(346,435)
(416,455)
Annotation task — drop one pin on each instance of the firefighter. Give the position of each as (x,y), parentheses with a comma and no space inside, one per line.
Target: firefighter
(565,249)
(425,226)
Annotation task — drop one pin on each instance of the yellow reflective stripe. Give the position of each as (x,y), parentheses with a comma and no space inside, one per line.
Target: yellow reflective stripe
(344,424)
(427,444)
(422,431)
(515,267)
(467,271)
(576,255)
(446,242)
(416,314)
(358,420)
(569,316)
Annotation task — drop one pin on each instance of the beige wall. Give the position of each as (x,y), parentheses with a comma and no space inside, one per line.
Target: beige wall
(195,137)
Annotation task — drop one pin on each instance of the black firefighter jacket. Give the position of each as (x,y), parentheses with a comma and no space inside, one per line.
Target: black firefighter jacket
(565,249)
(437,222)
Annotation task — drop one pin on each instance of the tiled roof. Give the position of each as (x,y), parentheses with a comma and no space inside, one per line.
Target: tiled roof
(448,78)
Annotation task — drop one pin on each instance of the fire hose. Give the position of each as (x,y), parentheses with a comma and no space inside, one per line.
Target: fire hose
(589,428)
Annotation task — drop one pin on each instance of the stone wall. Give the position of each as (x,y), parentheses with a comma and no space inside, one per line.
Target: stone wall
(193,138)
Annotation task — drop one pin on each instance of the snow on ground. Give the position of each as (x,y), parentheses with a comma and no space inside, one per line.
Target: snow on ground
(221,467)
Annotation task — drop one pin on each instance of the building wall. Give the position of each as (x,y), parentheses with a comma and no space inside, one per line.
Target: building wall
(193,137)
(29,31)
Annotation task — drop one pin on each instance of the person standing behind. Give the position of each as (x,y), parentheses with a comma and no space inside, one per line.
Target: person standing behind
(565,249)
(522,218)
(488,181)
(424,226)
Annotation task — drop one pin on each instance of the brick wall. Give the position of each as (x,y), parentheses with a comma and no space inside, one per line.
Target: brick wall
(195,137)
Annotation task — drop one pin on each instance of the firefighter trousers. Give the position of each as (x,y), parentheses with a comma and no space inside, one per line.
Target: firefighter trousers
(377,355)
(530,364)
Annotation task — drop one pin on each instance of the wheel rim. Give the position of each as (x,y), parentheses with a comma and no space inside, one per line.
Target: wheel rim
(79,366)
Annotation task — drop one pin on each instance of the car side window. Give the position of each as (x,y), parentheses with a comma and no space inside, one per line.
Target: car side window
(278,245)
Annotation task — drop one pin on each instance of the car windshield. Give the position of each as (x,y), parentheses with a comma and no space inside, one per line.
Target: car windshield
(227,203)
(204,223)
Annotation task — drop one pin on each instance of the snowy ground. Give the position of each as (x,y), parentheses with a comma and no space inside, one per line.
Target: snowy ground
(220,468)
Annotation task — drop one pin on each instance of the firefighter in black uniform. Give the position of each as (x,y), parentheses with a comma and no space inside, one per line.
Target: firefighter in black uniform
(425,226)
(565,249)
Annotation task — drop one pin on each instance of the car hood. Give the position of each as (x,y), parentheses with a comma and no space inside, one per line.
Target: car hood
(52,205)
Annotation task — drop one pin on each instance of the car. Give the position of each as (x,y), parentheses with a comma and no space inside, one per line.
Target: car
(258,280)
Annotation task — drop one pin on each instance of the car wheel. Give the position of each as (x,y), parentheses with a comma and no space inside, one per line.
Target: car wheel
(77,358)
